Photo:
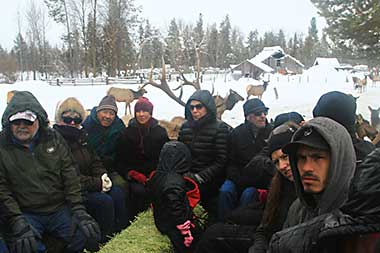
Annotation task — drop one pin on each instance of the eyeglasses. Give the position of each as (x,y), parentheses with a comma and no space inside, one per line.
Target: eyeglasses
(18,122)
(258,114)
(68,120)
(197,106)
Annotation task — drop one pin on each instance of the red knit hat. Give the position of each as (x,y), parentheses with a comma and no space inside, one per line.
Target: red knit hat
(143,104)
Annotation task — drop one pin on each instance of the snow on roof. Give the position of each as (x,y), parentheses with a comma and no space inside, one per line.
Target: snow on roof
(268,52)
(261,65)
(295,60)
(327,62)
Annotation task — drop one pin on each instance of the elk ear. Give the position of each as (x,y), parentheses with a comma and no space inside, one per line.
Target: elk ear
(369,107)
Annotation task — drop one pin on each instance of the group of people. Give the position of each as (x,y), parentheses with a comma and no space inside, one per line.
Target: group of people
(286,186)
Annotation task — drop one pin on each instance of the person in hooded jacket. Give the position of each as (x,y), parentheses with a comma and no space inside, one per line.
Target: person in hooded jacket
(246,141)
(103,128)
(322,159)
(40,189)
(352,228)
(207,139)
(137,153)
(172,210)
(240,237)
(341,107)
(104,201)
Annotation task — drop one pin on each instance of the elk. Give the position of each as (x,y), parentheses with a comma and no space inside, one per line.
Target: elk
(360,84)
(375,120)
(10,95)
(164,86)
(226,103)
(256,90)
(364,129)
(375,79)
(173,126)
(126,95)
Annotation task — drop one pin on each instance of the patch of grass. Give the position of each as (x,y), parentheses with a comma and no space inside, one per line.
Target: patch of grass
(142,236)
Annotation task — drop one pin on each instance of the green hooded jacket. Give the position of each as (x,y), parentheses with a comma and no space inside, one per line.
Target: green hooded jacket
(39,179)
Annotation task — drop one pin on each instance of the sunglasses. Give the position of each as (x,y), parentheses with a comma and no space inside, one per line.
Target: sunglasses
(68,120)
(197,106)
(258,114)
(18,122)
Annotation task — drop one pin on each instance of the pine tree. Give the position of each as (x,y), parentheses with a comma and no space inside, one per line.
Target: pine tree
(353,25)
(224,44)
(212,45)
(174,47)
(281,40)
(311,47)
(253,44)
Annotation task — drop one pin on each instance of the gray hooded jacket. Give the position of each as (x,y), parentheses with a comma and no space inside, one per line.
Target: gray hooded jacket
(341,171)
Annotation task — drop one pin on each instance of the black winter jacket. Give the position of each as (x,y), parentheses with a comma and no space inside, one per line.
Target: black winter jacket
(267,228)
(246,141)
(359,215)
(90,166)
(206,138)
(139,147)
(168,188)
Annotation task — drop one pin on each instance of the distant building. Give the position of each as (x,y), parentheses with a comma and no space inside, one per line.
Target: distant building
(269,60)
(326,62)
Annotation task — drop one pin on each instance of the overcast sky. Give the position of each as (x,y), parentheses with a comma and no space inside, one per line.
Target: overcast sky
(264,15)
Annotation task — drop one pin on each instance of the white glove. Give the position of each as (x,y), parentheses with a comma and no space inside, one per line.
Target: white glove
(106,183)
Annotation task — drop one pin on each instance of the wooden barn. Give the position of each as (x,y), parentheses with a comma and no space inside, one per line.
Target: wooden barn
(270,60)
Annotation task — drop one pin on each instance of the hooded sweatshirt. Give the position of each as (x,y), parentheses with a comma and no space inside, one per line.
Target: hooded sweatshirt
(341,171)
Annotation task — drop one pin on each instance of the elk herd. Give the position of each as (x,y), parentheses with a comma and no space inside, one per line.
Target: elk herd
(363,129)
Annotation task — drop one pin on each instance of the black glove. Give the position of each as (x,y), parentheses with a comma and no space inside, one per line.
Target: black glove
(24,236)
(87,224)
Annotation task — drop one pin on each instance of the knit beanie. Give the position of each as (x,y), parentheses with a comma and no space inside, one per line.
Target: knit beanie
(254,105)
(143,104)
(70,104)
(337,106)
(288,116)
(108,102)
(280,136)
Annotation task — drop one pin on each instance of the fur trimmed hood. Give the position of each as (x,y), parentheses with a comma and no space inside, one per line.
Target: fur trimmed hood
(70,104)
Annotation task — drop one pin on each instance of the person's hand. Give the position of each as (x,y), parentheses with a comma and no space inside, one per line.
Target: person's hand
(87,224)
(25,238)
(184,229)
(106,183)
(137,176)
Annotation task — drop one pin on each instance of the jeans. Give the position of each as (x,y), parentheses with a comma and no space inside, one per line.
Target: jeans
(138,199)
(59,225)
(109,210)
(3,246)
(229,198)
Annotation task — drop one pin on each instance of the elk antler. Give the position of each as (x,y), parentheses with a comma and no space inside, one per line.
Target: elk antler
(163,85)
(195,83)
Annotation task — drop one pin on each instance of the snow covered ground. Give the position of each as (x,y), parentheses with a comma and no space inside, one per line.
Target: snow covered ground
(296,93)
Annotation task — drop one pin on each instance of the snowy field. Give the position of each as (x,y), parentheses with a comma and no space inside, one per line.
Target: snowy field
(296,93)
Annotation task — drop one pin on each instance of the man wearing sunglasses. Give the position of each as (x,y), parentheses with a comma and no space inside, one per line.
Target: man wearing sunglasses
(246,141)
(206,137)
(39,187)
